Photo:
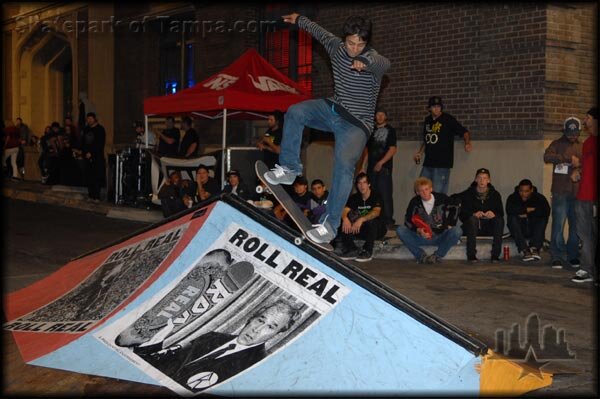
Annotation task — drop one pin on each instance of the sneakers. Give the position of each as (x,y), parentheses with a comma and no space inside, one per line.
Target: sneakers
(472,260)
(574,263)
(350,254)
(432,259)
(495,260)
(556,264)
(527,255)
(581,276)
(281,175)
(364,256)
(321,233)
(535,253)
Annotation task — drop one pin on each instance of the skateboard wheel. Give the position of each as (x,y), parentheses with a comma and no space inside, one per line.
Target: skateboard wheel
(297,240)
(259,189)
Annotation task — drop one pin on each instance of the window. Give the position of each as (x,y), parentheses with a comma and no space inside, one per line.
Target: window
(176,66)
(287,48)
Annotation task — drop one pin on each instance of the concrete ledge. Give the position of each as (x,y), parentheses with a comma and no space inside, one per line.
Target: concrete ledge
(75,197)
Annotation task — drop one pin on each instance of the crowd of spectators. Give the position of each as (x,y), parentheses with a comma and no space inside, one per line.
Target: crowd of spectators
(76,156)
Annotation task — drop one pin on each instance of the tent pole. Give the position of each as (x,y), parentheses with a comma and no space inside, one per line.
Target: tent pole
(223,148)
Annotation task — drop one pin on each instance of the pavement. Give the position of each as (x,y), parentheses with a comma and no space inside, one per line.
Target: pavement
(483,299)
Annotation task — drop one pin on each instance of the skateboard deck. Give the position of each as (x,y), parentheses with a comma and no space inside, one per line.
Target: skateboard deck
(290,206)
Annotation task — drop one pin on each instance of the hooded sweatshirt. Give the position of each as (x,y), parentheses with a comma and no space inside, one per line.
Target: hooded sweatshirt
(516,206)
(472,201)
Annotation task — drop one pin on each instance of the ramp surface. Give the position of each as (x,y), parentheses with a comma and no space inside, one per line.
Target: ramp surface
(166,305)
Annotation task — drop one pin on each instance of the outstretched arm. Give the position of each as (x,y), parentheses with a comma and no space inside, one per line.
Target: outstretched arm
(326,38)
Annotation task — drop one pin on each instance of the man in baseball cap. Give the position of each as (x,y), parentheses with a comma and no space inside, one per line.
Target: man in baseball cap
(560,154)
(439,130)
(572,127)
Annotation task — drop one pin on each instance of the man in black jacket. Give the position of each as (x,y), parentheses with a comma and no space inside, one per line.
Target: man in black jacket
(216,356)
(92,148)
(235,185)
(482,214)
(527,213)
(436,211)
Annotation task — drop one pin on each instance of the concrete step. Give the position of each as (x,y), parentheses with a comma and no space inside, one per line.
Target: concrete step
(76,197)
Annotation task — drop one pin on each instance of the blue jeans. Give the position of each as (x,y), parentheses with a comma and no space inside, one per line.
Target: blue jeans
(444,241)
(563,209)
(350,140)
(587,230)
(439,177)
(382,183)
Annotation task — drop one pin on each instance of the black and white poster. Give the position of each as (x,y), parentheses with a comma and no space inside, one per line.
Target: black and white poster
(104,290)
(242,300)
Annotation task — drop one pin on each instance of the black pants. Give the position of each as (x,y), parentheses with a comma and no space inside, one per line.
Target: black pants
(473,227)
(532,228)
(382,183)
(94,176)
(370,231)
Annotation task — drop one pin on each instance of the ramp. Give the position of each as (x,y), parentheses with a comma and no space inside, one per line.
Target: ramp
(223,299)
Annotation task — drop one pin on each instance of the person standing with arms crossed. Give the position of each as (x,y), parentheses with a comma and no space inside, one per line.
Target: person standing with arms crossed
(349,114)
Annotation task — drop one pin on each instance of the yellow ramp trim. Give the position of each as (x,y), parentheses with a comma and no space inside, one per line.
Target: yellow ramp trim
(503,376)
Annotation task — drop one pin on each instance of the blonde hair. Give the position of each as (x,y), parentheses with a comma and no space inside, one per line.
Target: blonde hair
(422,181)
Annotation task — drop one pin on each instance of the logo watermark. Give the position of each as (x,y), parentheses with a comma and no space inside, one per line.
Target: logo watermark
(534,345)
(157,23)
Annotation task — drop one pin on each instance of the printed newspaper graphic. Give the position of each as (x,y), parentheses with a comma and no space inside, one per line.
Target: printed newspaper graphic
(104,290)
(238,303)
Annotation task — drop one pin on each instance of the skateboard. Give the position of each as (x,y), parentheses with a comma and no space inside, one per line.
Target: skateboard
(290,207)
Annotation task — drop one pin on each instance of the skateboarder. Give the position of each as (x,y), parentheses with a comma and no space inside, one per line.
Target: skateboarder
(349,114)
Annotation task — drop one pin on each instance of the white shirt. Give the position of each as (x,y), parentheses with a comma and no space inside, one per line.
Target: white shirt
(428,204)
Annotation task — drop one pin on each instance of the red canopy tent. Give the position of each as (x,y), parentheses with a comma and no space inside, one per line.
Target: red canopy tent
(249,87)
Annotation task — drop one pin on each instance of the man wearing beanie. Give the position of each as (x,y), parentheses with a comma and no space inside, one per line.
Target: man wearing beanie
(586,208)
(564,191)
(482,214)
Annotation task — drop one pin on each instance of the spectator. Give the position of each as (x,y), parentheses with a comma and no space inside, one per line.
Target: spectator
(318,200)
(68,168)
(176,194)
(207,186)
(11,148)
(92,148)
(140,136)
(361,219)
(44,150)
(236,186)
(270,142)
(379,157)
(188,147)
(168,140)
(527,213)
(586,208)
(439,130)
(301,195)
(75,136)
(435,210)
(564,191)
(24,140)
(482,214)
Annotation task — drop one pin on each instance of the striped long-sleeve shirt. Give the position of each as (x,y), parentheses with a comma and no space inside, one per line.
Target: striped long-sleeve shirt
(356,92)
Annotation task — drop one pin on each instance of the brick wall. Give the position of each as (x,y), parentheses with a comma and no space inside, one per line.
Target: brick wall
(571,63)
(486,61)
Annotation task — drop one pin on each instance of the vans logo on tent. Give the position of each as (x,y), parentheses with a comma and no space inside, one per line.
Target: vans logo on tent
(266,83)
(221,81)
